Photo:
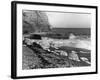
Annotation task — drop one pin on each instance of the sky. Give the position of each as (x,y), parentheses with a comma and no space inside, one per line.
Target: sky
(69,20)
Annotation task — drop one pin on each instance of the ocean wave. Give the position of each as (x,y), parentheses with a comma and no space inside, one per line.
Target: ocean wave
(77,43)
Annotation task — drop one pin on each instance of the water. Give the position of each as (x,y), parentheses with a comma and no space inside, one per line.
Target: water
(76,31)
(80,37)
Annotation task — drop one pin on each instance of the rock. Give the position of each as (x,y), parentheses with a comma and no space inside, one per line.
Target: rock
(85,60)
(60,52)
(63,53)
(35,21)
(28,41)
(74,56)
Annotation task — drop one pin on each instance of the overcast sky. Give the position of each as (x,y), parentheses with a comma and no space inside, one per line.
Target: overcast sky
(69,20)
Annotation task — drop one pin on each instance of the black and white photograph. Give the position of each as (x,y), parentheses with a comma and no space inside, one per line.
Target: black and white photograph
(54,39)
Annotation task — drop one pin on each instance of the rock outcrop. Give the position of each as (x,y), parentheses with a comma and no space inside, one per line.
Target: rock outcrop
(35,21)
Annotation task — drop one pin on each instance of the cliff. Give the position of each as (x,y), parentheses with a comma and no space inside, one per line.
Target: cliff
(35,21)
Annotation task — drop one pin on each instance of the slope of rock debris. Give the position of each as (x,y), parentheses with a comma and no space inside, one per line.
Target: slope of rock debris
(35,57)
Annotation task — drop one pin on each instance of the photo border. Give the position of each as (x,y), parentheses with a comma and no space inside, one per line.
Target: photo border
(14,38)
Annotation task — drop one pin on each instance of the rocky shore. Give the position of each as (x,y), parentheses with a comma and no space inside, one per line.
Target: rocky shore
(36,57)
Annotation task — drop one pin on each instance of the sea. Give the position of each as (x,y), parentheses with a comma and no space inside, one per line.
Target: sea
(75,31)
(81,39)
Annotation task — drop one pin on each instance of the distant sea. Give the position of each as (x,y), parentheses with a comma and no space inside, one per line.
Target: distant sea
(76,31)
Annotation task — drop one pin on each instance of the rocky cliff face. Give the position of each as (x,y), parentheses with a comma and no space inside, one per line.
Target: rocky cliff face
(35,21)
